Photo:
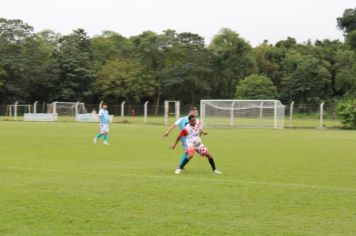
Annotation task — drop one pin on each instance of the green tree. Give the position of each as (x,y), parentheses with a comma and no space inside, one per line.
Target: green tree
(269,61)
(256,87)
(233,60)
(15,37)
(76,67)
(108,46)
(347,22)
(307,80)
(124,79)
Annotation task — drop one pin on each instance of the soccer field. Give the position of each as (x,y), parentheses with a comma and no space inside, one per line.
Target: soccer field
(54,181)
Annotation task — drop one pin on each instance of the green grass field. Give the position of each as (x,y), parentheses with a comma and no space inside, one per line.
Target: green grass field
(54,181)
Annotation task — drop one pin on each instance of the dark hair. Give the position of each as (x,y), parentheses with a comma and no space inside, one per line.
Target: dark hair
(193,108)
(191,117)
(104,104)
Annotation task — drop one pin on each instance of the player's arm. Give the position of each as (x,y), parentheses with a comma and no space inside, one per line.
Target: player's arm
(172,127)
(169,130)
(203,132)
(182,134)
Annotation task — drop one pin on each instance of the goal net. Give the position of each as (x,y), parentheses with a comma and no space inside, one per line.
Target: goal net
(67,108)
(242,113)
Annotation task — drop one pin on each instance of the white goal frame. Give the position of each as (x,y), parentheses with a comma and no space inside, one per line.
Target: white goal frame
(167,112)
(243,113)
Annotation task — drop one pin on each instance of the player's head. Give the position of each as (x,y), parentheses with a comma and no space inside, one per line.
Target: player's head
(192,120)
(193,111)
(104,106)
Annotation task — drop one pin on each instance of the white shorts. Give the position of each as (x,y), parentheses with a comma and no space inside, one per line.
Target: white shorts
(104,128)
(201,149)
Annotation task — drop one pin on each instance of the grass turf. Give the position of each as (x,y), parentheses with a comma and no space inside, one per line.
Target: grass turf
(54,181)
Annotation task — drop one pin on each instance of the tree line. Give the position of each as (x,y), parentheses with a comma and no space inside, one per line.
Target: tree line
(48,66)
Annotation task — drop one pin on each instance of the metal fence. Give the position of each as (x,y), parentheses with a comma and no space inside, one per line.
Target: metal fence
(321,115)
(296,115)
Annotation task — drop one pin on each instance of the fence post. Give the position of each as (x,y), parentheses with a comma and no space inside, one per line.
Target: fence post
(15,110)
(54,107)
(166,107)
(321,115)
(35,107)
(122,109)
(100,104)
(291,113)
(177,109)
(145,112)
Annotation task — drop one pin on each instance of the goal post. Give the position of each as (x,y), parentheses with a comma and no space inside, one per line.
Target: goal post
(171,108)
(67,108)
(242,113)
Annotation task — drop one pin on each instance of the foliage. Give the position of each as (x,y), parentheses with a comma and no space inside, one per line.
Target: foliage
(256,87)
(123,79)
(47,66)
(346,111)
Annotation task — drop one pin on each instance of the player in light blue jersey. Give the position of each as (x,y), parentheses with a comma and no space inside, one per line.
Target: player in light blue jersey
(181,123)
(104,124)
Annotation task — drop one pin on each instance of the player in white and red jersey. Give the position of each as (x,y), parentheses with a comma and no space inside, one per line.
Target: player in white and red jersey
(192,132)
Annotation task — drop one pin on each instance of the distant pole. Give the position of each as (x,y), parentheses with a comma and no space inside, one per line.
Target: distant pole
(291,113)
(232,113)
(275,114)
(261,110)
(54,107)
(15,109)
(321,115)
(76,108)
(177,110)
(35,107)
(123,109)
(145,112)
(100,105)
(166,107)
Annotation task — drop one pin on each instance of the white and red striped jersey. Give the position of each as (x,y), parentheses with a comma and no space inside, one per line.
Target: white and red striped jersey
(190,133)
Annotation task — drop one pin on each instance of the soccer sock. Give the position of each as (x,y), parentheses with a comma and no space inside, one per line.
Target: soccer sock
(105,137)
(99,135)
(212,163)
(185,155)
(185,161)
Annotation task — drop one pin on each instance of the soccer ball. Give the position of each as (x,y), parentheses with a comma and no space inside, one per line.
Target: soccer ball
(196,141)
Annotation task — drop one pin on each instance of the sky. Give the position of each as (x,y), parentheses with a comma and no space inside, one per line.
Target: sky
(254,20)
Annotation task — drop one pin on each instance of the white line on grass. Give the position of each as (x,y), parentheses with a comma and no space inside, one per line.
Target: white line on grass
(286,185)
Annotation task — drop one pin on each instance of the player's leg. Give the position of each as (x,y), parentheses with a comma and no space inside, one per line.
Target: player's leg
(203,151)
(190,153)
(185,154)
(106,137)
(99,135)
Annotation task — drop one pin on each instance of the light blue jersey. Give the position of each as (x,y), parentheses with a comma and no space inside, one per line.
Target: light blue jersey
(182,122)
(103,113)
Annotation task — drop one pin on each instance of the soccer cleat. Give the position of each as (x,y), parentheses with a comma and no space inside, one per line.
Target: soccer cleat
(95,140)
(217,171)
(106,143)
(178,171)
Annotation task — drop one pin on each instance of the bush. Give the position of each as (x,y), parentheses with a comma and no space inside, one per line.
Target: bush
(256,87)
(346,111)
